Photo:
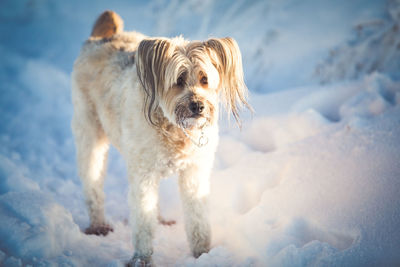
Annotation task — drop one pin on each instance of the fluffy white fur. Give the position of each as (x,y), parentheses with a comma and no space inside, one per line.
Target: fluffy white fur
(153,99)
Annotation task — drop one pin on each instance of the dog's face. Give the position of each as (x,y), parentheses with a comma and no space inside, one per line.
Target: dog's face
(187,79)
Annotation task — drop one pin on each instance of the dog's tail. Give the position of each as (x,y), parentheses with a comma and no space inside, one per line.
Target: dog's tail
(108,24)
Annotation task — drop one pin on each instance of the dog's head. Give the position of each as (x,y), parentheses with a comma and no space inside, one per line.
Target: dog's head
(187,79)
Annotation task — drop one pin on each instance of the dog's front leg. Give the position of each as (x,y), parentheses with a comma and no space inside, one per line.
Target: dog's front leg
(194,186)
(144,211)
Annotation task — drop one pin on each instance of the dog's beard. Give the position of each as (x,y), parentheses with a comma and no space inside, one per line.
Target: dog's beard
(193,123)
(186,120)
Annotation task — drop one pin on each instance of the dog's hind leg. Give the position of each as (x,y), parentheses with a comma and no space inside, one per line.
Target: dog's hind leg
(92,148)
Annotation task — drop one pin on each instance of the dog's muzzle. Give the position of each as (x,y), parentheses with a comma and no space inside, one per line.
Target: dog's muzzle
(191,115)
(192,119)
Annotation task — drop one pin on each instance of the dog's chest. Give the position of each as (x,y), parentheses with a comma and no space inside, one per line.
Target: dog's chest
(175,159)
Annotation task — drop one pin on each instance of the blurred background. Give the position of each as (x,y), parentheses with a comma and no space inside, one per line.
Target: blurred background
(335,51)
(285,44)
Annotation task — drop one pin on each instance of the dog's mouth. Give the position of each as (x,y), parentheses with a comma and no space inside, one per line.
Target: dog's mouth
(193,122)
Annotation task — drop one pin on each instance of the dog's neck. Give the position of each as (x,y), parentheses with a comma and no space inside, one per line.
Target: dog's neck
(201,141)
(180,137)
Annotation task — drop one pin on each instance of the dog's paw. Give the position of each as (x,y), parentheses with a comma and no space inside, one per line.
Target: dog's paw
(200,250)
(140,261)
(99,229)
(198,253)
(163,221)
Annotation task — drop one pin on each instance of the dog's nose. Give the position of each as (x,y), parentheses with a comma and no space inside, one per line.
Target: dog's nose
(196,107)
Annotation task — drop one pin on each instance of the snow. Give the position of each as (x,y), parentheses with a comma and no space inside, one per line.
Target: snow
(375,47)
(312,179)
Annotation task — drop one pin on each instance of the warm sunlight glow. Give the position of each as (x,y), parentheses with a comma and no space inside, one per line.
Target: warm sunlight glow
(204,189)
(150,201)
(97,161)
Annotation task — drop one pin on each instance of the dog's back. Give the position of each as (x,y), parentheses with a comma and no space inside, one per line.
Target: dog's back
(103,59)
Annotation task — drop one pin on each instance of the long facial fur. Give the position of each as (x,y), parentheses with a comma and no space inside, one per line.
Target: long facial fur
(161,61)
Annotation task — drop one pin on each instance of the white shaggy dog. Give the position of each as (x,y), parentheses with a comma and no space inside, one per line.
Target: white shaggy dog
(156,100)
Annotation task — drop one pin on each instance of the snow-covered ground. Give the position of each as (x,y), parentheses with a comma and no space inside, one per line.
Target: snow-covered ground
(313,178)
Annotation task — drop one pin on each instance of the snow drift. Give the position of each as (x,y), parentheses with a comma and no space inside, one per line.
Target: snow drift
(311,180)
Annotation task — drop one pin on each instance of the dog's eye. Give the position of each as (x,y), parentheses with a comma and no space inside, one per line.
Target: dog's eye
(204,80)
(180,81)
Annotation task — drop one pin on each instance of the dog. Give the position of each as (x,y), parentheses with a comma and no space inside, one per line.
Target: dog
(157,101)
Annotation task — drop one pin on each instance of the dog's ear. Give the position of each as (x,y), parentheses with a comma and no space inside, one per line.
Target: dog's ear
(226,57)
(152,56)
